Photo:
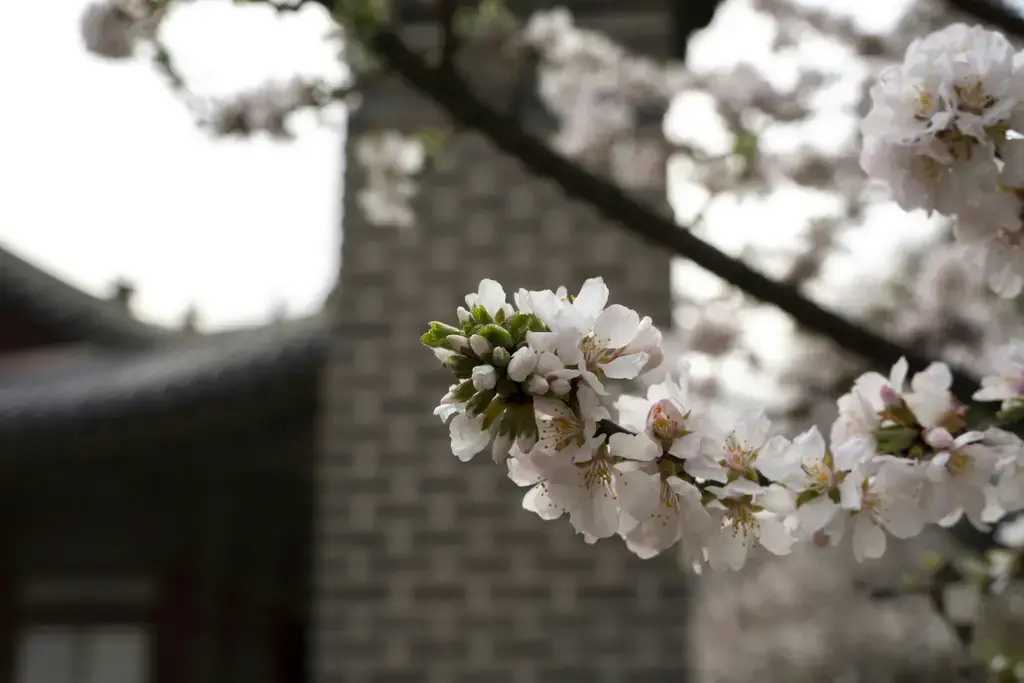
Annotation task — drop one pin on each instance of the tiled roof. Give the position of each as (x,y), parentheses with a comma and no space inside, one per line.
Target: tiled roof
(65,307)
(83,384)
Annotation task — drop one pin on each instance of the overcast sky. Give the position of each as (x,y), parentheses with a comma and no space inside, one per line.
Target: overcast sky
(105,174)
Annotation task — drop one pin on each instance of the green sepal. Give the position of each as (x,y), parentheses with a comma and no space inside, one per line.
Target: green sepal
(895,439)
(464,391)
(497,335)
(478,404)
(1013,414)
(462,366)
(494,411)
(509,422)
(807,496)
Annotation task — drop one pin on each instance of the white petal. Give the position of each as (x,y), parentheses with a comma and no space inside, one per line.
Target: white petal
(752,428)
(705,468)
(775,537)
(903,518)
(686,447)
(868,538)
(592,299)
(625,367)
(817,514)
(634,446)
(898,374)
(468,436)
(616,326)
(537,500)
(598,516)
(728,549)
(492,296)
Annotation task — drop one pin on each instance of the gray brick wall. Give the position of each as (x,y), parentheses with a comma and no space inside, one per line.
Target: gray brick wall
(428,569)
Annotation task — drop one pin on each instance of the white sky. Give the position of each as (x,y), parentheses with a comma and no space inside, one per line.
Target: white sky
(104,173)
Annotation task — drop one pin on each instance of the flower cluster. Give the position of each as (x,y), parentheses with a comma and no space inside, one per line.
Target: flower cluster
(533,384)
(944,133)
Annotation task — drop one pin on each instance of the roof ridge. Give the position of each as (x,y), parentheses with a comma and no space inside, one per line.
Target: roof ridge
(47,295)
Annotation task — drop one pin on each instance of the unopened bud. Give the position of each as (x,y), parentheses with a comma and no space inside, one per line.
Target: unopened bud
(890,397)
(522,364)
(820,539)
(464,315)
(484,377)
(940,439)
(481,347)
(501,357)
(560,387)
(460,344)
(536,385)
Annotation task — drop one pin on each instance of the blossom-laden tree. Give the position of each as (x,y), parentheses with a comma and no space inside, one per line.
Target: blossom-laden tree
(937,121)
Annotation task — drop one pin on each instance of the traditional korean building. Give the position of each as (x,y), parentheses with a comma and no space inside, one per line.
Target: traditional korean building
(155,492)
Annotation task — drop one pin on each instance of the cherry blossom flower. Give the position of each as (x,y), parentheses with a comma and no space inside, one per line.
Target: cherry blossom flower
(737,453)
(1007,383)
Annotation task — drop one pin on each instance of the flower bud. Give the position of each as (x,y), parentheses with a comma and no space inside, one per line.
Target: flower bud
(464,315)
(484,377)
(536,385)
(522,364)
(890,397)
(501,357)
(481,347)
(560,387)
(460,344)
(939,439)
(547,363)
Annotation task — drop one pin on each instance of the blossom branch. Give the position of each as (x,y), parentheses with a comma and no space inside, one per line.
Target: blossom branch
(458,100)
(531,383)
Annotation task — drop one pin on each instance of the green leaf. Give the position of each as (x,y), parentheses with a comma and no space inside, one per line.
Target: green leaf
(497,335)
(521,323)
(437,335)
(462,366)
(481,315)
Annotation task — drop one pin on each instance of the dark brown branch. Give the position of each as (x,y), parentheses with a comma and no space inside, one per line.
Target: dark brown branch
(453,95)
(449,34)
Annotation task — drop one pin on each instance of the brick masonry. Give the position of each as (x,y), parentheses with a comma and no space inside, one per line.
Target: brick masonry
(427,569)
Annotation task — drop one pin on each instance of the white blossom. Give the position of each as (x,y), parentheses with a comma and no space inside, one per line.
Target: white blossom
(738,452)
(1007,383)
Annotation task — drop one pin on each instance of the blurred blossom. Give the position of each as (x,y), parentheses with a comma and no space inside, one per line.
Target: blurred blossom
(112,28)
